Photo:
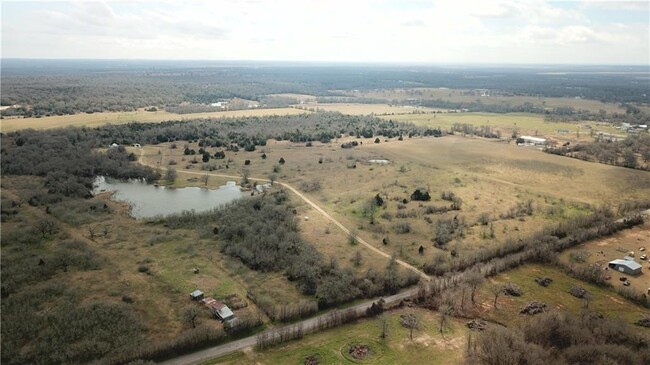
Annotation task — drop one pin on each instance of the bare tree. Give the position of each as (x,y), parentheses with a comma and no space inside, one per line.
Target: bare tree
(357,258)
(474,279)
(245,174)
(384,327)
(410,321)
(45,226)
(205,179)
(496,291)
(92,230)
(170,175)
(191,316)
(272,178)
(444,310)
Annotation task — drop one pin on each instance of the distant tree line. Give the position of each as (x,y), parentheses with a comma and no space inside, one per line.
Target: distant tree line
(627,153)
(66,157)
(67,160)
(67,87)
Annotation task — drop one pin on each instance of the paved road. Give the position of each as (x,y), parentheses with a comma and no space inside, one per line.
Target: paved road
(311,203)
(308,325)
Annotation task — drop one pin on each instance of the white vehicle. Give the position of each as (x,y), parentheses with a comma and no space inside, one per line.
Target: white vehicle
(643,257)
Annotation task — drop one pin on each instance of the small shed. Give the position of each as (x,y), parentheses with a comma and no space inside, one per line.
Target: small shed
(625,266)
(225,313)
(196,295)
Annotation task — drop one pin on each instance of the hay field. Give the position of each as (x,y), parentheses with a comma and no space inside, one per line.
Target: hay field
(490,178)
(522,123)
(467,96)
(97,119)
(366,109)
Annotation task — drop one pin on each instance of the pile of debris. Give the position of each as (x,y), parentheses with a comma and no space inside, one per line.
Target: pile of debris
(533,308)
(359,351)
(513,290)
(578,292)
(235,302)
(543,281)
(476,325)
(312,360)
(644,321)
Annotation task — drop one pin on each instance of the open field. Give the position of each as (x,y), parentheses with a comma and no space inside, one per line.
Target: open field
(470,96)
(604,250)
(366,109)
(521,123)
(330,346)
(97,119)
(556,296)
(491,178)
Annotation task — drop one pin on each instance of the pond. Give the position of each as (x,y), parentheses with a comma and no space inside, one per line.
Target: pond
(147,200)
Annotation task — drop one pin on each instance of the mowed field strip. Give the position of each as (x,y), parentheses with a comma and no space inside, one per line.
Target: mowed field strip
(312,204)
(98,119)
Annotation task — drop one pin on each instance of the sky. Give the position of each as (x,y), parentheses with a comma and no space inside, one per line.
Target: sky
(394,31)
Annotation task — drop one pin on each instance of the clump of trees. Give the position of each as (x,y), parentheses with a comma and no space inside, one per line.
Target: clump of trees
(632,152)
(557,338)
(263,233)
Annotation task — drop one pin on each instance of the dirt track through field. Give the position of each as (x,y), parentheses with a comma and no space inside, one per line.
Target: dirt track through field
(312,204)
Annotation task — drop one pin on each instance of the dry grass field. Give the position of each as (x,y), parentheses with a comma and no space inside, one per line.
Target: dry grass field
(521,123)
(366,109)
(468,96)
(490,177)
(97,119)
(556,296)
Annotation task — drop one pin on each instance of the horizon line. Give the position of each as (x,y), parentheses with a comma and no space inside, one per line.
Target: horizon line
(383,63)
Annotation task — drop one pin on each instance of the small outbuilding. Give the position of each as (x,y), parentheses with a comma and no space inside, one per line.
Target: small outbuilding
(625,266)
(535,141)
(218,309)
(196,295)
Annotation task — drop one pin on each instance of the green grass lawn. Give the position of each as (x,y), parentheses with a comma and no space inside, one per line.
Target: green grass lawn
(331,346)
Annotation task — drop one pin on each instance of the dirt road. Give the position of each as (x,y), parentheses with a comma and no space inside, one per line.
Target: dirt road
(308,201)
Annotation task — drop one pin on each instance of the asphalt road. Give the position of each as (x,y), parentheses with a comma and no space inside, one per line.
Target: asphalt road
(308,325)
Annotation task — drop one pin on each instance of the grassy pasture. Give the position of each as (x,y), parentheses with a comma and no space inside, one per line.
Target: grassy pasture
(467,96)
(427,347)
(97,119)
(490,177)
(522,123)
(556,296)
(365,109)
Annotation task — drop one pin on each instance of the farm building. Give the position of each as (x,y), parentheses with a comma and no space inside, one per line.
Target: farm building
(196,295)
(626,266)
(533,140)
(218,309)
